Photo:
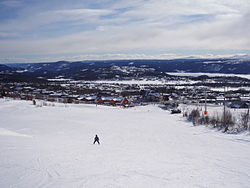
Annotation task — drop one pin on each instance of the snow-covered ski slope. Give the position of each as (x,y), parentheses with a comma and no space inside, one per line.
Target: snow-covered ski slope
(144,147)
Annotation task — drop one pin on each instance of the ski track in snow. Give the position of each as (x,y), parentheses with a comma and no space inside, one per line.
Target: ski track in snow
(140,147)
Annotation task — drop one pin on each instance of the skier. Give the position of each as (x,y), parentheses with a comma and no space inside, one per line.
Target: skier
(96,139)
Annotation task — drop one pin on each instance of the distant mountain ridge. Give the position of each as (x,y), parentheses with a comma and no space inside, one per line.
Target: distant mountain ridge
(110,69)
(5,68)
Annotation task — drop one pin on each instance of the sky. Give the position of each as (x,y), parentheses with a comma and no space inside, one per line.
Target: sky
(50,30)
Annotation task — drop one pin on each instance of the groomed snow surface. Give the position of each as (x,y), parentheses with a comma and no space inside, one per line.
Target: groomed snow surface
(51,146)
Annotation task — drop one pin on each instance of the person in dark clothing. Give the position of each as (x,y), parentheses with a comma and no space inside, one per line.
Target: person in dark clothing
(96,139)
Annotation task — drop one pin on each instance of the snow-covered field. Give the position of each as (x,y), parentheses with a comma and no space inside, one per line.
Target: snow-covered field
(247,76)
(51,146)
(145,82)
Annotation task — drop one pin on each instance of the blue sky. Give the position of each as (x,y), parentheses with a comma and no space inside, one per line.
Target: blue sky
(50,30)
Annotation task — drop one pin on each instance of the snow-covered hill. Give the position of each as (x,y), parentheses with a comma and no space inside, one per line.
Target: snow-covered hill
(51,146)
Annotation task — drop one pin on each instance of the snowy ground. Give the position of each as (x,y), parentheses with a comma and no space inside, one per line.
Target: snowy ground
(247,76)
(52,146)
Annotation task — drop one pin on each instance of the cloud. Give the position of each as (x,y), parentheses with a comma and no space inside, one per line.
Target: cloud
(127,26)
(11,3)
(7,34)
(39,59)
(84,12)
(73,15)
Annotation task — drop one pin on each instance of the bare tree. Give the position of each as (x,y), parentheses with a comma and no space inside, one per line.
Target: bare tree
(215,121)
(227,120)
(244,121)
(194,116)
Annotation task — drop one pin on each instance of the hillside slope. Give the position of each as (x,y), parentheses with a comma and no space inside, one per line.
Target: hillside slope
(51,146)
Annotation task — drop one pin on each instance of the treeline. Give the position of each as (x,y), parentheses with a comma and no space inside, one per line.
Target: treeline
(225,121)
